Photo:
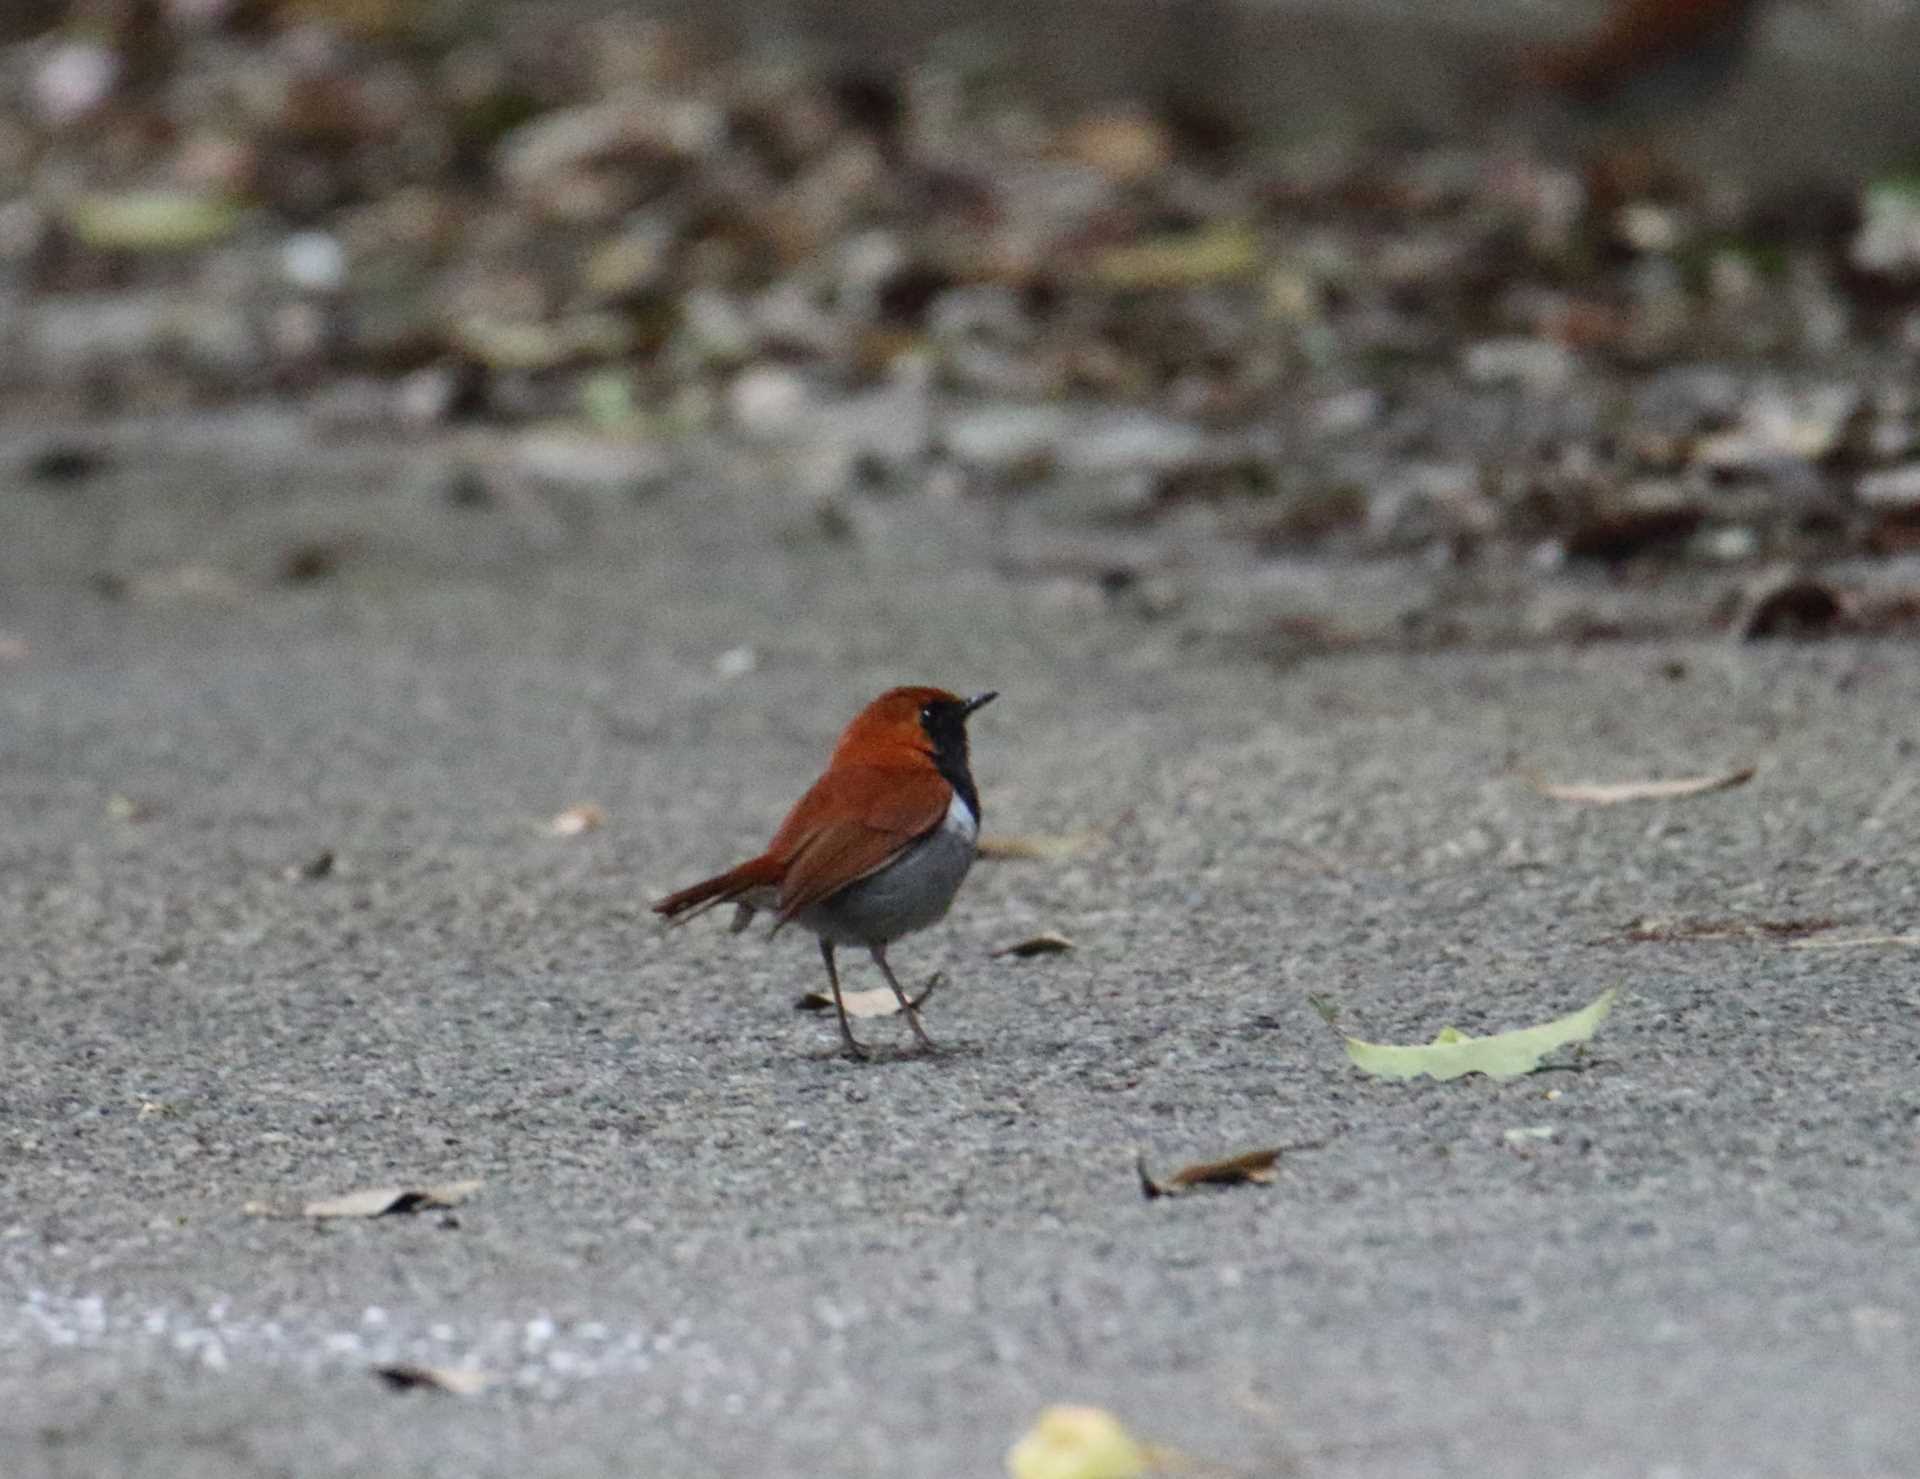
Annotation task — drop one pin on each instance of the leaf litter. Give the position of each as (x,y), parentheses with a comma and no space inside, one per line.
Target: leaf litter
(1615,793)
(1504,1055)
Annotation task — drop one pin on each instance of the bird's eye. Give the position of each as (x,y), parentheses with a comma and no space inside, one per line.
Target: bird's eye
(926,714)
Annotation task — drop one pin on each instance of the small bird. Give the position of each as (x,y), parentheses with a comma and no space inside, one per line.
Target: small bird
(878,846)
(1650,57)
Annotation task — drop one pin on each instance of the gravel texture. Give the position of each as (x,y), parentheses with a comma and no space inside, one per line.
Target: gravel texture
(708,1244)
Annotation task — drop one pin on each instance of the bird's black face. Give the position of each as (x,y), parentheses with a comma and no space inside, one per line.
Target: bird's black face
(945,721)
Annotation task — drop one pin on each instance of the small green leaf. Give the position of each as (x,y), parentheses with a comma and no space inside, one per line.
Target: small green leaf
(1504,1055)
(1218,253)
(152,220)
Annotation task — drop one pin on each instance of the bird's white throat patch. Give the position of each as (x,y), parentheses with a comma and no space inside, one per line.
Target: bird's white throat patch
(960,819)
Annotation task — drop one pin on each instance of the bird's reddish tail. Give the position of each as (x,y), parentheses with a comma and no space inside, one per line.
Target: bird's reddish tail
(761,872)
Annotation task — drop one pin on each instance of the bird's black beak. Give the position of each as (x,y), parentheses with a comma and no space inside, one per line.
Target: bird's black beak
(978,701)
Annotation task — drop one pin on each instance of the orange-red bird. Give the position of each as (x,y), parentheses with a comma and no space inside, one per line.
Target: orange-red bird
(877,847)
(1650,55)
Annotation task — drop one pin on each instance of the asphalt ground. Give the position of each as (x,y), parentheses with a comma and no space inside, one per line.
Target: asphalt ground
(708,1244)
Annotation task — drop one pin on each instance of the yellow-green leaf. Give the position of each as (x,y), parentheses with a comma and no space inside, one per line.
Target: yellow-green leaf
(1504,1055)
(151,220)
(1213,254)
(1077,1443)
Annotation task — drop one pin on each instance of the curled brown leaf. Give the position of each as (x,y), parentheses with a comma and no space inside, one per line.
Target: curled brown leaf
(406,1376)
(1256,1167)
(1049,943)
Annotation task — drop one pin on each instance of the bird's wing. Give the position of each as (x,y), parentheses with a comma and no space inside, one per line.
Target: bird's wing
(853,822)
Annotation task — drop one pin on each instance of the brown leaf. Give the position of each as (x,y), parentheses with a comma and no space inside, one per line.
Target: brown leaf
(1612,535)
(405,1376)
(1034,847)
(1791,608)
(1256,1167)
(1049,943)
(312,560)
(576,820)
(1613,793)
(319,866)
(1661,931)
(879,1002)
(381,1201)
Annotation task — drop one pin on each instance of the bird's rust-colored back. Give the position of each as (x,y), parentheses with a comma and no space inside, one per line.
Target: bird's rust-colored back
(880,792)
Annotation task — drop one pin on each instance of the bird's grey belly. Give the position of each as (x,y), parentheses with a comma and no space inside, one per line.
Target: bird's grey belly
(908,894)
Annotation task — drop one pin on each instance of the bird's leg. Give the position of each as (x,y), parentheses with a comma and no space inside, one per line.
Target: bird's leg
(854,1048)
(879,953)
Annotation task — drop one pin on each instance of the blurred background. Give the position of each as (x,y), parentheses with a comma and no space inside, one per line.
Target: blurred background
(1506,289)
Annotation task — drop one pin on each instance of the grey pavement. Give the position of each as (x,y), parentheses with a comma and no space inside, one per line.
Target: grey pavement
(707,1244)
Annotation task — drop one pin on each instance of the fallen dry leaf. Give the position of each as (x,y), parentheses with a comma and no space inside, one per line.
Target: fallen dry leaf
(1790,608)
(127,809)
(1858,942)
(1078,1443)
(1049,943)
(879,1002)
(1503,1055)
(456,1381)
(1125,146)
(319,866)
(577,819)
(1255,1167)
(382,1201)
(378,1201)
(1663,931)
(1217,253)
(1034,847)
(151,220)
(1613,793)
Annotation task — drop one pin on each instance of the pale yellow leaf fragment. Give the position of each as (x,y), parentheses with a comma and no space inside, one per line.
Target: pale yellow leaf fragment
(1077,1443)
(1858,942)
(1502,1056)
(879,1002)
(1034,847)
(1614,793)
(1217,253)
(577,820)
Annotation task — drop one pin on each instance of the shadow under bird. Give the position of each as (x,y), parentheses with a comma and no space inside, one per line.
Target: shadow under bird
(878,846)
